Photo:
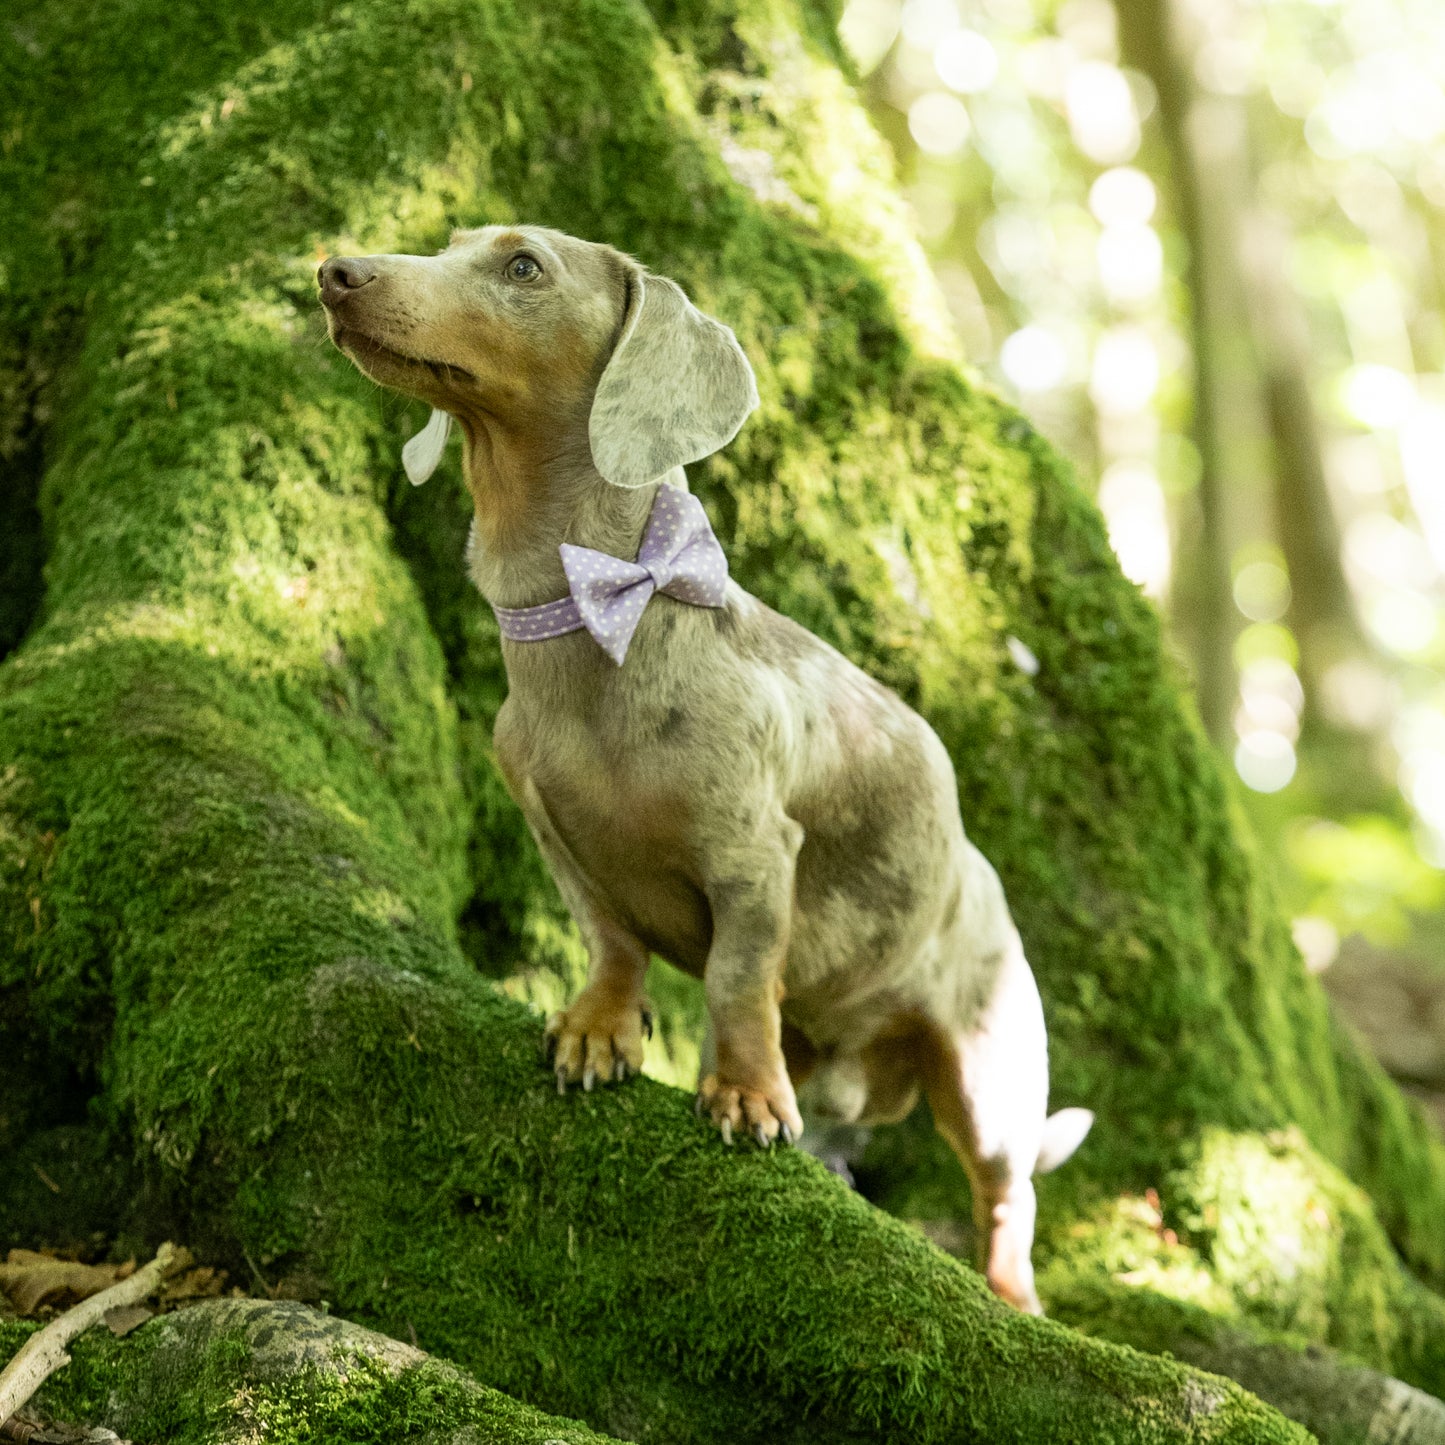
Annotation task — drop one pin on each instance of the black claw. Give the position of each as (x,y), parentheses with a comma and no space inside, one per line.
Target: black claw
(647,1022)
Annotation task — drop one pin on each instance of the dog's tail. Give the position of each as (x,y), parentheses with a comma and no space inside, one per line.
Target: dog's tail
(1063,1133)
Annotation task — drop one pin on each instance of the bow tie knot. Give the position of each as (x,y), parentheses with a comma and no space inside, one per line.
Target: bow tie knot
(660,570)
(679,557)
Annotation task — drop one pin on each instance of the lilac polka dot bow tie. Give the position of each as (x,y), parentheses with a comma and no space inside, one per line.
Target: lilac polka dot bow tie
(679,557)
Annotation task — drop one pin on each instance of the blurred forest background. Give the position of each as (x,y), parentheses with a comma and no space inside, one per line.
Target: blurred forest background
(1203,245)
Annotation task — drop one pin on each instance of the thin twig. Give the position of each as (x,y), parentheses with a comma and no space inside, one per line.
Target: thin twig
(46,1180)
(44,1353)
(260,1278)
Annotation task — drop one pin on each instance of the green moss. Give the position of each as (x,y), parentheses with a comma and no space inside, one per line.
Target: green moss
(1267,1237)
(73,1187)
(281,1373)
(1300,1249)
(1339,1400)
(21,544)
(248,778)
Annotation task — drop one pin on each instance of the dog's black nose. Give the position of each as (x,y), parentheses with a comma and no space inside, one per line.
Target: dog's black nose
(339,276)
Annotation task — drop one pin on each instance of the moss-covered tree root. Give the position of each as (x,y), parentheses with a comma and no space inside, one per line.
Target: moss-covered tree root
(245,788)
(242,1369)
(1339,1401)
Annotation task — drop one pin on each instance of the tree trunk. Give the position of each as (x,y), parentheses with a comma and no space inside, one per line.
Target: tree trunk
(247,790)
(1222,384)
(1252,397)
(1322,609)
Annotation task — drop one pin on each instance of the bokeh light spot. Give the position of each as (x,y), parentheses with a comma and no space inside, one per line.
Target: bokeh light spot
(966,61)
(1379,397)
(1132,502)
(1423,776)
(1126,370)
(1261,591)
(1034,359)
(1264,760)
(868,28)
(926,22)
(1131,262)
(1317,940)
(940,124)
(1403,620)
(1102,118)
(1123,196)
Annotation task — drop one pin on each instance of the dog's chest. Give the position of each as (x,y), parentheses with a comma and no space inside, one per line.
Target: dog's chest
(630,837)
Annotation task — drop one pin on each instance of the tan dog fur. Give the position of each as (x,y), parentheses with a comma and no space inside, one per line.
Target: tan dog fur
(738,797)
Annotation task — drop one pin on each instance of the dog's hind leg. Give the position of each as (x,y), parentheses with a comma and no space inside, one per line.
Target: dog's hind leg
(988,1088)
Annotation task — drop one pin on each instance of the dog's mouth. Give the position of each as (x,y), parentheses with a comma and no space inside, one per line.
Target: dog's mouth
(364,348)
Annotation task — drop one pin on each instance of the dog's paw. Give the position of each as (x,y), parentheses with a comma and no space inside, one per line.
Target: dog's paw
(765,1113)
(597,1041)
(1017,1289)
(1009,1271)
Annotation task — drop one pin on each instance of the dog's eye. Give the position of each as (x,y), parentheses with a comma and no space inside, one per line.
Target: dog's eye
(523,268)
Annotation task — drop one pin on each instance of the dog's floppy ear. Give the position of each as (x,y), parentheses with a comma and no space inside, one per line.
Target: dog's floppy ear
(423,453)
(677,388)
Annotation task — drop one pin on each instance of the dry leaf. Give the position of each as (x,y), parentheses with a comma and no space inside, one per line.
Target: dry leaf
(31,1279)
(203,1282)
(124,1318)
(300,1284)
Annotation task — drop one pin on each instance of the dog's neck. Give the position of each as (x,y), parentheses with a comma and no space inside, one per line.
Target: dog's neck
(530,495)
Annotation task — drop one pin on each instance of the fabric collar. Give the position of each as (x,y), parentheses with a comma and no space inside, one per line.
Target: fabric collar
(679,557)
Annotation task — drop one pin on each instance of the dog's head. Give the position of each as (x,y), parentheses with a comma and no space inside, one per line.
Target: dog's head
(537,332)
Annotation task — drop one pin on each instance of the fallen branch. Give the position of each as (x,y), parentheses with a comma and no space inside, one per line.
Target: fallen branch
(43,1354)
(25,1432)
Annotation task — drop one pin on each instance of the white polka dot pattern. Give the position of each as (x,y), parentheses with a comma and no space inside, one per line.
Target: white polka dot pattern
(679,556)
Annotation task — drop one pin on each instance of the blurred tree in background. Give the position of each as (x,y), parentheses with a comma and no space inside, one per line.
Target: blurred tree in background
(1204,245)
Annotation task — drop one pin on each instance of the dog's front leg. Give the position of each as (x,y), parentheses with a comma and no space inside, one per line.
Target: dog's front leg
(752,903)
(598,1037)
